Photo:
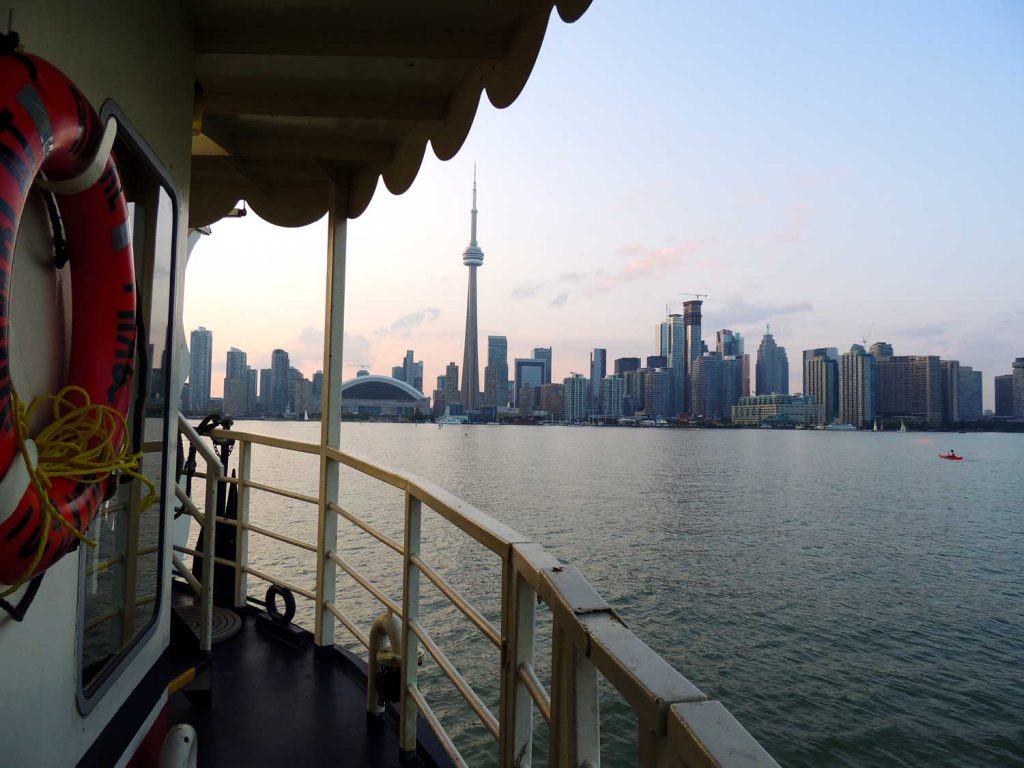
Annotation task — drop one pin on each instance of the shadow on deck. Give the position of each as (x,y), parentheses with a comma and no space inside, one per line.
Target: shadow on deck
(273,704)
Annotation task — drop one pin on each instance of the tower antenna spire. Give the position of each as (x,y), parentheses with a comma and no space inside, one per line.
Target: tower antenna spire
(472,234)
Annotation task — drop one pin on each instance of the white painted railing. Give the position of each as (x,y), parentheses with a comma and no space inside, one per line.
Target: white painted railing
(678,724)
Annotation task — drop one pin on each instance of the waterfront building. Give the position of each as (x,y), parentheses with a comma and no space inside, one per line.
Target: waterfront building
(575,398)
(451,383)
(529,371)
(496,372)
(1004,395)
(634,391)
(472,257)
(706,379)
(265,385)
(775,409)
(821,381)
(729,343)
(236,383)
(657,361)
(677,361)
(200,367)
(317,391)
(909,386)
(662,341)
(950,371)
(857,387)
(623,364)
(250,390)
(772,369)
(551,399)
(440,402)
(735,370)
(598,370)
(659,392)
(612,392)
(1018,388)
(528,398)
(382,396)
(279,366)
(410,371)
(294,376)
(969,394)
(695,346)
(544,353)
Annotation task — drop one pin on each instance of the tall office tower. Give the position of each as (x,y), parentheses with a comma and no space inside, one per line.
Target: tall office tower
(250,389)
(529,376)
(969,393)
(598,370)
(732,382)
(398,372)
(265,402)
(909,386)
(821,381)
(472,257)
(677,361)
(279,367)
(201,348)
(694,344)
(880,349)
(236,384)
(745,388)
(551,399)
(1004,395)
(623,364)
(772,370)
(317,391)
(657,361)
(294,377)
(634,391)
(544,353)
(612,392)
(451,383)
(857,387)
(950,370)
(729,343)
(706,380)
(663,339)
(1018,388)
(496,372)
(659,394)
(575,398)
(236,364)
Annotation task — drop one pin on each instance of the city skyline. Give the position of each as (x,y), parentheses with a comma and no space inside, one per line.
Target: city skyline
(891,190)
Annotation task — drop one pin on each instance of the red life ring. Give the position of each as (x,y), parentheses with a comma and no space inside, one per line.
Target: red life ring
(47,125)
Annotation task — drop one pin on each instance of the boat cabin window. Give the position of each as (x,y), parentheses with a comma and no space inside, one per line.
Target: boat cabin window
(120,578)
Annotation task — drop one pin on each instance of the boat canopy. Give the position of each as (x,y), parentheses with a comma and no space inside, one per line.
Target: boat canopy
(295,95)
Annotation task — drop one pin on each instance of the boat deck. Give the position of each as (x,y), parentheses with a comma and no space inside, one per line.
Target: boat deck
(273,704)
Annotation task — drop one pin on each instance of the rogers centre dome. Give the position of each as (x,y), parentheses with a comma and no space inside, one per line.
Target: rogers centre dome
(382,396)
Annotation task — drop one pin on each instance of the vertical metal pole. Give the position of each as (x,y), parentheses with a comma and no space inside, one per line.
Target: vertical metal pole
(518,620)
(410,613)
(575,712)
(242,532)
(330,415)
(213,471)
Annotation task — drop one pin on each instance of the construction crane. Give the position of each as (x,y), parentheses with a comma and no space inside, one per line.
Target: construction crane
(699,296)
(864,338)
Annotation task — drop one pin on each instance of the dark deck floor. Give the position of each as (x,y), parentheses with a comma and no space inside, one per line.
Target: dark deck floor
(274,705)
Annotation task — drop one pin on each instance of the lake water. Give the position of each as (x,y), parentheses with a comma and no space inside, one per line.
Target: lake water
(850,597)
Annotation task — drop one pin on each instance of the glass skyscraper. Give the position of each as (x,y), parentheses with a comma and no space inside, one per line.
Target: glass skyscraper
(496,372)
(201,349)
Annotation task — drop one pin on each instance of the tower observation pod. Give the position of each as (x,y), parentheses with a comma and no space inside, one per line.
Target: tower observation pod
(472,257)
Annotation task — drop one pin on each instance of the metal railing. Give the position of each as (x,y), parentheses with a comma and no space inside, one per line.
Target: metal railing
(677,724)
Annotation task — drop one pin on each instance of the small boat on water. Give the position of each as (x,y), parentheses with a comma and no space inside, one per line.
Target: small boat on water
(951,456)
(840,428)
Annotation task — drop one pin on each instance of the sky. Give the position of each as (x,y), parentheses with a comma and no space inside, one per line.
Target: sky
(839,170)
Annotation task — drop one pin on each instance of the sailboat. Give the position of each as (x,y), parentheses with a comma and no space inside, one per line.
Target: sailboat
(903,426)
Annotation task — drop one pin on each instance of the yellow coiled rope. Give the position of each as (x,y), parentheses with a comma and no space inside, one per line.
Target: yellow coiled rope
(78,444)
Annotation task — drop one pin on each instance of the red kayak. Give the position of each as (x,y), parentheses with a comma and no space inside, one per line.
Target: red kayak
(951,457)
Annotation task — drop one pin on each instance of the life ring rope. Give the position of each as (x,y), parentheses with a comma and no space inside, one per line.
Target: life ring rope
(80,442)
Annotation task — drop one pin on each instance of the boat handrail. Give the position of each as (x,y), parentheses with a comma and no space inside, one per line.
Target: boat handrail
(678,724)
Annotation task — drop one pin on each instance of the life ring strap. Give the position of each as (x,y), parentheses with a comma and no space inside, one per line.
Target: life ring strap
(92,172)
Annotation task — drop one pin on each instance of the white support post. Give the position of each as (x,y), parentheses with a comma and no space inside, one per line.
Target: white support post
(518,621)
(575,711)
(330,416)
(241,532)
(410,613)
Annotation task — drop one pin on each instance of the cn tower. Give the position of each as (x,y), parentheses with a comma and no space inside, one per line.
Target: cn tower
(472,257)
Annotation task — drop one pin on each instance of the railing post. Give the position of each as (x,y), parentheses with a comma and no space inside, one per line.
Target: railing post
(242,532)
(518,620)
(330,414)
(213,474)
(575,712)
(410,613)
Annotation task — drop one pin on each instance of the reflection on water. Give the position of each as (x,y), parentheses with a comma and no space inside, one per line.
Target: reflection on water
(851,598)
